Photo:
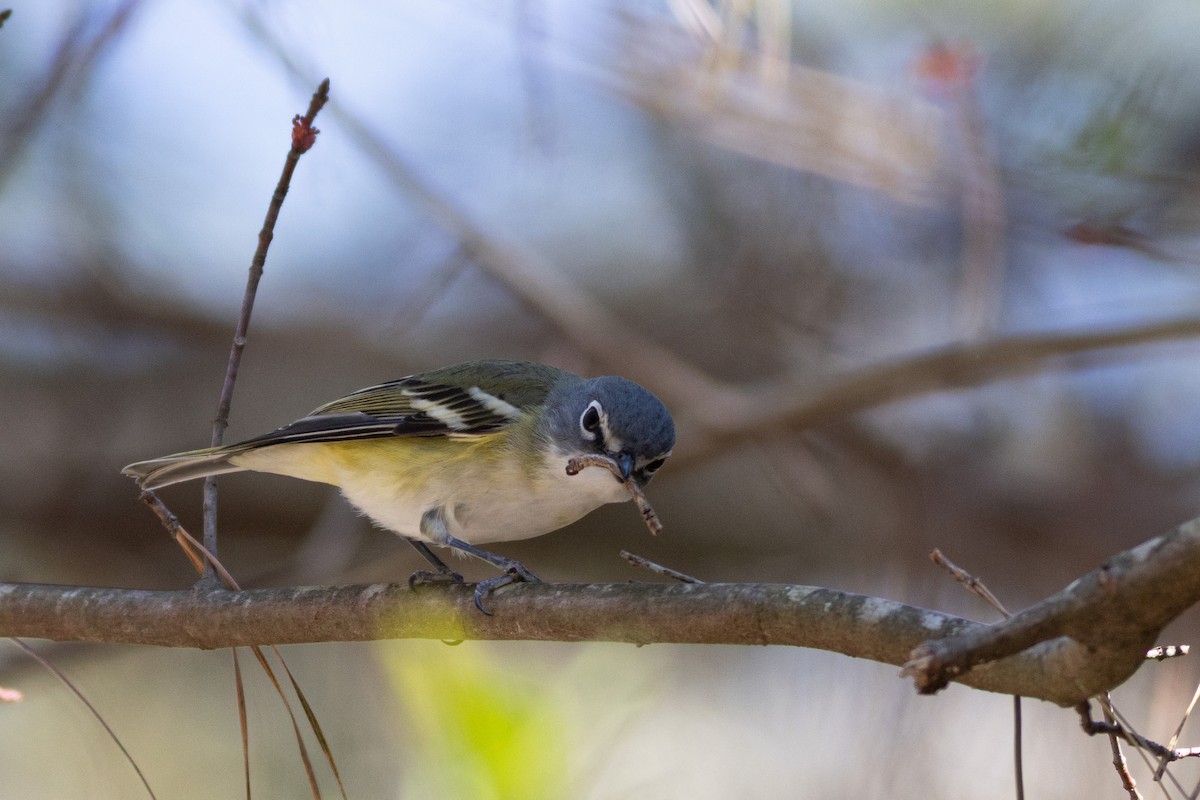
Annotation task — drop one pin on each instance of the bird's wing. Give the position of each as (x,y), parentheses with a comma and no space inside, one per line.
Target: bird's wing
(409,406)
(465,400)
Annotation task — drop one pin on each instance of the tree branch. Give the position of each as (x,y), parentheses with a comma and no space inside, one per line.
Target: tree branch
(1080,642)
(1114,612)
(746,614)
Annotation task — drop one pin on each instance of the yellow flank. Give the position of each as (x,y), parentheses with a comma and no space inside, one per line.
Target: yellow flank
(338,463)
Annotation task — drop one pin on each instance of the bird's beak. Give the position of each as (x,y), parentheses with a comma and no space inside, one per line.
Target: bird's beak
(625,462)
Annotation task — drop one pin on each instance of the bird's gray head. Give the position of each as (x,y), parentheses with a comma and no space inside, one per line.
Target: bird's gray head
(613,417)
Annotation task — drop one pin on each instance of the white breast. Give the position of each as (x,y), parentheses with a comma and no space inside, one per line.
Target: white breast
(482,505)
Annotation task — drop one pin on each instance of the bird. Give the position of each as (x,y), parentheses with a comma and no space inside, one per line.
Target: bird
(460,456)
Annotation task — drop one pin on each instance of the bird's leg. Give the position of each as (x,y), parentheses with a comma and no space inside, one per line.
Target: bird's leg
(433,525)
(444,573)
(514,571)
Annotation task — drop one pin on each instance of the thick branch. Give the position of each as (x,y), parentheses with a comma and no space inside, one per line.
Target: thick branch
(1116,612)
(746,614)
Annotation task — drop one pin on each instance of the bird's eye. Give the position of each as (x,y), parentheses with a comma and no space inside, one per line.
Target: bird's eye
(590,420)
(654,466)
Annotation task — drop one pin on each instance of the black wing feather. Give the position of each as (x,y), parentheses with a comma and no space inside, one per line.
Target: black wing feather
(405,407)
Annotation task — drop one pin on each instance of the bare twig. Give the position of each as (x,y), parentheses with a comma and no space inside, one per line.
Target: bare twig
(1187,713)
(1111,711)
(1125,733)
(658,569)
(1119,762)
(1165,651)
(968,580)
(303,137)
(198,554)
(576,465)
(1111,714)
(171,523)
(36,656)
(1110,726)
(1116,726)
(977,586)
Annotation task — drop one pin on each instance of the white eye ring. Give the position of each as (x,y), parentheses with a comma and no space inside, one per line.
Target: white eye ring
(590,419)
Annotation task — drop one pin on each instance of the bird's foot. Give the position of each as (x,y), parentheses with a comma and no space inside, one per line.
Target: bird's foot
(514,572)
(425,577)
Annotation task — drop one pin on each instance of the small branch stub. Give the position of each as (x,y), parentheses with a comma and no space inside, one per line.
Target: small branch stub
(657,569)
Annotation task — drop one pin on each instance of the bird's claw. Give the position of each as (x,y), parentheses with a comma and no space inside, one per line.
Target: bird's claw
(514,572)
(424,577)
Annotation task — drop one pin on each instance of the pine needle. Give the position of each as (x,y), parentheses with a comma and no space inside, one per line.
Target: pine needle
(243,720)
(108,729)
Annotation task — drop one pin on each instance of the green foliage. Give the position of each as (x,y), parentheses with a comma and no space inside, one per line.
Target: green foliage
(478,726)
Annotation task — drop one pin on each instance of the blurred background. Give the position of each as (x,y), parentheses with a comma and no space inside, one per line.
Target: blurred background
(746,206)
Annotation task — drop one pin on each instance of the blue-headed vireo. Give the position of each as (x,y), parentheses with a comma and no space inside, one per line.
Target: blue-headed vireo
(459,456)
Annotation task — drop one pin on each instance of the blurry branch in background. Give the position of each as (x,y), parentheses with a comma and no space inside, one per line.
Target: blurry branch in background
(723,31)
(72,63)
(952,71)
(88,301)
(530,25)
(1081,642)
(536,281)
(727,416)
(431,289)
(797,117)
(715,413)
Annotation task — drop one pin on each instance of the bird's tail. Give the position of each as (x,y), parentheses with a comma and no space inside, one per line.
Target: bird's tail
(159,472)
